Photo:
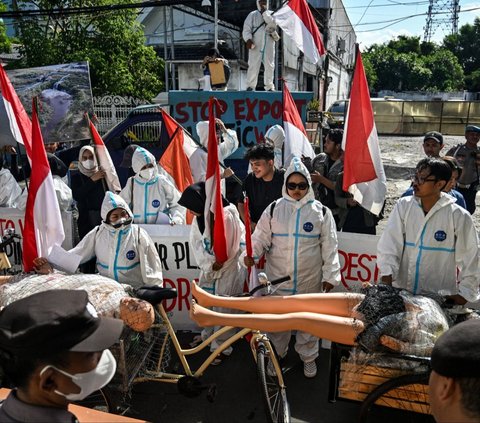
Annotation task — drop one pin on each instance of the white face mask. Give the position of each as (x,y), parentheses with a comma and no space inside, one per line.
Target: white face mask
(88,164)
(90,381)
(147,173)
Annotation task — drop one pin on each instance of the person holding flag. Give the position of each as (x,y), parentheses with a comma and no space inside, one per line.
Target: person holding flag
(151,195)
(260,35)
(221,278)
(217,234)
(298,237)
(124,251)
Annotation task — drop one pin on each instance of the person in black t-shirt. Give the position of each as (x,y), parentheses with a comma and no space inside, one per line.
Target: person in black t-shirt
(264,184)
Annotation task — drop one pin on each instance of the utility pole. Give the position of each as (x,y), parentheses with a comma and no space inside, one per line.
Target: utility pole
(441,14)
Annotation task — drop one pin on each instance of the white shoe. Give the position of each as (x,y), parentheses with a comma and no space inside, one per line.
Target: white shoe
(309,369)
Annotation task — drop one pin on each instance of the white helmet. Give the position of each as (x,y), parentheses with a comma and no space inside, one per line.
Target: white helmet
(276,135)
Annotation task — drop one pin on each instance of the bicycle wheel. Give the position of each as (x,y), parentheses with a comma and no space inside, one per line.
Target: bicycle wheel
(274,396)
(407,392)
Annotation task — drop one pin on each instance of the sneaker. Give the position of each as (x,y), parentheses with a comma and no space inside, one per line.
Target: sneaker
(309,369)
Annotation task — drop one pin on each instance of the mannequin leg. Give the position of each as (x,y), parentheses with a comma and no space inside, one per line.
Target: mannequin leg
(337,304)
(337,329)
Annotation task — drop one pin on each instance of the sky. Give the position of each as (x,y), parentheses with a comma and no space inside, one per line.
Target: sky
(373,20)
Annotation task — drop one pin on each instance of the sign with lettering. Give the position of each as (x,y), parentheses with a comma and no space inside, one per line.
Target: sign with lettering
(11,218)
(250,114)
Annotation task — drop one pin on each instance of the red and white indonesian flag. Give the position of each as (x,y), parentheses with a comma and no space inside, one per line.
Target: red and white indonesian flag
(296,140)
(364,176)
(213,202)
(43,222)
(104,160)
(18,119)
(298,23)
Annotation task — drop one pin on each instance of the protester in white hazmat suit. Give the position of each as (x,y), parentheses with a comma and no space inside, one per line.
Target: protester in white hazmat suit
(227,144)
(219,278)
(10,191)
(151,196)
(299,239)
(276,136)
(124,251)
(260,35)
(429,238)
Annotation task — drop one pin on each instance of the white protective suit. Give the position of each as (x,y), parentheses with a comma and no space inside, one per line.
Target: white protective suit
(150,198)
(276,135)
(10,191)
(63,193)
(230,278)
(261,29)
(126,254)
(422,253)
(300,241)
(198,160)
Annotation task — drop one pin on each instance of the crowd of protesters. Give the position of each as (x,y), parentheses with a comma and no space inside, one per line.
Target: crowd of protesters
(429,245)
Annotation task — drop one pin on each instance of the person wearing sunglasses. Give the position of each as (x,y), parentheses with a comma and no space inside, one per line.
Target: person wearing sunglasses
(298,237)
(430,244)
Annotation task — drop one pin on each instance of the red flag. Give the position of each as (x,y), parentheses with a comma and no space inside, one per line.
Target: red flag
(297,21)
(364,175)
(296,140)
(174,160)
(104,160)
(20,124)
(43,221)
(213,202)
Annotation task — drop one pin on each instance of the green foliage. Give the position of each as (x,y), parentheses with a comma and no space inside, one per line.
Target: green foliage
(370,73)
(112,43)
(5,44)
(472,81)
(405,64)
(466,46)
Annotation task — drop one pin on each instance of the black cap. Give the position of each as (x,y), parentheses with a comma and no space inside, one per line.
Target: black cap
(127,156)
(472,128)
(456,353)
(54,321)
(433,135)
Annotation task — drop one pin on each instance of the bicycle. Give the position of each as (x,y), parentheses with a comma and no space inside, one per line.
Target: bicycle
(145,357)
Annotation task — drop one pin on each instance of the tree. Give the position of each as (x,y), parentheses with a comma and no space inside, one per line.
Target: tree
(4,40)
(408,65)
(465,46)
(111,41)
(447,73)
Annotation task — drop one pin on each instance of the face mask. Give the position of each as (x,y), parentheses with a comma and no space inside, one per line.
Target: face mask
(147,173)
(124,221)
(90,381)
(88,164)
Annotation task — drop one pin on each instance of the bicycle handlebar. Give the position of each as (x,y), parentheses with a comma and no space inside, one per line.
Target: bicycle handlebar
(272,283)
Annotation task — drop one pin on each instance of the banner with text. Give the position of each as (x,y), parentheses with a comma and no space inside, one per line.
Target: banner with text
(250,115)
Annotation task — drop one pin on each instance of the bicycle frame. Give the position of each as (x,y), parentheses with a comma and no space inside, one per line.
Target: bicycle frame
(257,338)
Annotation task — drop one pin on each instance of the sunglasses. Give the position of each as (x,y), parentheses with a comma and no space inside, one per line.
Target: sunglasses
(302,186)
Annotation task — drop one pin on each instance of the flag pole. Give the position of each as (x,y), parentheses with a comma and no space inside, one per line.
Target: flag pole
(104,183)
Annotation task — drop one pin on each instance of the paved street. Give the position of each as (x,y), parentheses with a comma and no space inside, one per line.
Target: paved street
(238,398)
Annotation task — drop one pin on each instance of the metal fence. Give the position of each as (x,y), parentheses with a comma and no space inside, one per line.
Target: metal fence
(112,109)
(418,117)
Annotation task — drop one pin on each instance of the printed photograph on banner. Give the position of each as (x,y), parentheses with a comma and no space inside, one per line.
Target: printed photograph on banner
(65,94)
